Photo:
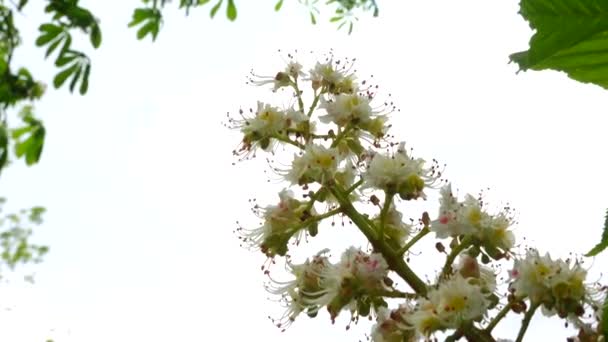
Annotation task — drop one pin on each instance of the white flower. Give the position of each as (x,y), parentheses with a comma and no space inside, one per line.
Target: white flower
(281,223)
(293,70)
(556,284)
(399,174)
(425,319)
(345,108)
(317,163)
(336,80)
(261,129)
(469,218)
(454,217)
(470,269)
(454,302)
(458,301)
(391,325)
(394,227)
(357,274)
(369,269)
(300,293)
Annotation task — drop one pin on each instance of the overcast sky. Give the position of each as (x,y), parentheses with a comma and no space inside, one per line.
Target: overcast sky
(142,197)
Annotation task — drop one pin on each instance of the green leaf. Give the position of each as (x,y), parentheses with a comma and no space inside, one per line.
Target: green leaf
(66,43)
(313,20)
(571,36)
(603,243)
(216,8)
(18,132)
(3,146)
(231,10)
(139,15)
(84,84)
(22,4)
(43,39)
(63,75)
(95,36)
(149,28)
(65,59)
(334,19)
(52,48)
(278,6)
(50,28)
(75,78)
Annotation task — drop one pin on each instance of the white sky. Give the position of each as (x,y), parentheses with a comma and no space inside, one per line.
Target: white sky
(142,197)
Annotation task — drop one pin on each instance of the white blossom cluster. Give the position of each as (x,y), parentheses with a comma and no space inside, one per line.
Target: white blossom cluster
(342,155)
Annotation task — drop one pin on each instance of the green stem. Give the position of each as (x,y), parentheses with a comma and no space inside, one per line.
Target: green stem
(314,104)
(393,294)
(413,241)
(395,262)
(354,186)
(340,136)
(325,215)
(526,321)
(447,268)
(388,201)
(316,218)
(501,314)
(298,95)
(288,141)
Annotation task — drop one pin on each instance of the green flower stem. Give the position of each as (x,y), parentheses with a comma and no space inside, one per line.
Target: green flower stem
(353,187)
(340,136)
(324,216)
(313,198)
(526,321)
(316,218)
(395,262)
(413,241)
(447,268)
(501,314)
(288,141)
(388,201)
(314,104)
(298,95)
(393,294)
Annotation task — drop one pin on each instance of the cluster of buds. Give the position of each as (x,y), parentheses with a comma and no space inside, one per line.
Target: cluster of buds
(343,154)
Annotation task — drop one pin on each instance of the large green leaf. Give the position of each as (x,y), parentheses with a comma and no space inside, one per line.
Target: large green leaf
(571,36)
(603,243)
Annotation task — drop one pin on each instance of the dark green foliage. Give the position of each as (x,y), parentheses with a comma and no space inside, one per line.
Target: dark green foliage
(66,16)
(150,20)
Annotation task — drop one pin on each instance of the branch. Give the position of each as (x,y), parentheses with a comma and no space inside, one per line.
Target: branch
(388,200)
(447,268)
(501,314)
(526,321)
(413,241)
(395,262)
